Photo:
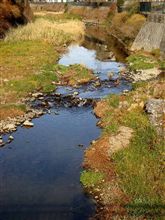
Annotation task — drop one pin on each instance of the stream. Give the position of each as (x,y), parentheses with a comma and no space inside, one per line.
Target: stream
(40,170)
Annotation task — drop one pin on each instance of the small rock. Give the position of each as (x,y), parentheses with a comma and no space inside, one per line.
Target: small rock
(113,58)
(54,83)
(57,94)
(28,124)
(97,84)
(80,145)
(6,80)
(11,137)
(93,142)
(37,94)
(125,91)
(75,93)
(1,143)
(110,75)
(41,98)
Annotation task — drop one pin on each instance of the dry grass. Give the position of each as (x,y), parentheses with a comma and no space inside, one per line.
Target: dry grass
(50,31)
(11,111)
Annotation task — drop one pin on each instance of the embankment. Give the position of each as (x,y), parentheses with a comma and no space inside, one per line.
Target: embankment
(83,10)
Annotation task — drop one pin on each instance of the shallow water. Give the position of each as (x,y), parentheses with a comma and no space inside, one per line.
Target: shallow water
(80,55)
(40,169)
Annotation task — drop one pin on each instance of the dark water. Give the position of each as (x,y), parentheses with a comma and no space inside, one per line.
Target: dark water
(40,169)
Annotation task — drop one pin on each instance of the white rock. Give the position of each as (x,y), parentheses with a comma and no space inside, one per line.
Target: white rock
(28,123)
(11,137)
(37,94)
(75,93)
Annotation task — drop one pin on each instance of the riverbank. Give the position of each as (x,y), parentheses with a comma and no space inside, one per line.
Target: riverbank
(29,56)
(123,168)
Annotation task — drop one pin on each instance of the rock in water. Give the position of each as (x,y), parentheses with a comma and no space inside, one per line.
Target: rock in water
(11,138)
(28,124)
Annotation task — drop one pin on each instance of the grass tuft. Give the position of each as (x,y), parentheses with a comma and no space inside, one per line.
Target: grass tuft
(91,178)
(141,62)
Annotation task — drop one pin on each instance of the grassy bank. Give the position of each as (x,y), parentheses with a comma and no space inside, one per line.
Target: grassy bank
(124,26)
(137,169)
(29,57)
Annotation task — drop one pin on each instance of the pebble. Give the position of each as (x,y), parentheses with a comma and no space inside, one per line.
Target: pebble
(11,137)
(93,142)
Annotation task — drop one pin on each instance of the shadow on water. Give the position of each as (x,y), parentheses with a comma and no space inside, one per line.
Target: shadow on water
(40,169)
(105,44)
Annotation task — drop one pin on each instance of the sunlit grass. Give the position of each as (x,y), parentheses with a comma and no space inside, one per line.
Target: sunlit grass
(140,165)
(50,31)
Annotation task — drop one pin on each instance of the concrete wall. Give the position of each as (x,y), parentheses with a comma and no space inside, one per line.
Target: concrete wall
(152,35)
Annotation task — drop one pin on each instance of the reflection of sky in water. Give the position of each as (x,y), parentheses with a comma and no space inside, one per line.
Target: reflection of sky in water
(80,55)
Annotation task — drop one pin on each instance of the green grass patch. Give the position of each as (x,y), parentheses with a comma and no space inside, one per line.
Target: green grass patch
(40,81)
(140,166)
(141,62)
(91,178)
(162,65)
(75,73)
(113,100)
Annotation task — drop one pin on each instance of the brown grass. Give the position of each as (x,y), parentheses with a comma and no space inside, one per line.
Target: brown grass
(50,31)
(12,112)
(126,26)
